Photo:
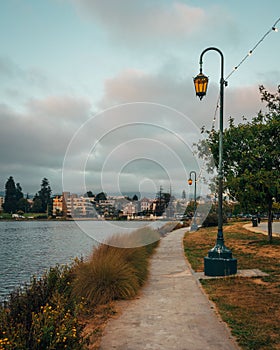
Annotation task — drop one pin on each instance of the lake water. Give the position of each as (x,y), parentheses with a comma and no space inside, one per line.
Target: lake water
(29,248)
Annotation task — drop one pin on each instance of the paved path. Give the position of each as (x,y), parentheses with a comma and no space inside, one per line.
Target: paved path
(275,226)
(262,227)
(172,311)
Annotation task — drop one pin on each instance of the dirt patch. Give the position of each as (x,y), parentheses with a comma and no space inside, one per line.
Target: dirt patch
(96,323)
(258,281)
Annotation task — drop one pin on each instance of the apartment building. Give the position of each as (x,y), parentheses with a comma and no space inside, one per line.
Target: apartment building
(79,207)
(60,204)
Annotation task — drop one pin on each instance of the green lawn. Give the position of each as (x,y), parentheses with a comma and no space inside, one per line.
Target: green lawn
(250,306)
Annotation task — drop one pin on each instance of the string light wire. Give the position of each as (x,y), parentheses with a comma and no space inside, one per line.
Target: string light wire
(272,29)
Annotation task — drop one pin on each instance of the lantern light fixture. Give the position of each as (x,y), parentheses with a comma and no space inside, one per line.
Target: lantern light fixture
(200,84)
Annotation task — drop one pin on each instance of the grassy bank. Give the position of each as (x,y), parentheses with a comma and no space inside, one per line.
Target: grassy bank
(53,311)
(250,306)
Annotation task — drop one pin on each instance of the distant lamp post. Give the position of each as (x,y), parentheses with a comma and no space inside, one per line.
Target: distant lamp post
(194,226)
(219,261)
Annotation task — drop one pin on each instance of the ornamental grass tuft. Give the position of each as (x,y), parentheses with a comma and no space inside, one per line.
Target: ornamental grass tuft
(106,276)
(114,272)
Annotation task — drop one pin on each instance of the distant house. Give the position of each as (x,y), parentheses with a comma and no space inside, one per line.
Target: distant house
(145,204)
(130,210)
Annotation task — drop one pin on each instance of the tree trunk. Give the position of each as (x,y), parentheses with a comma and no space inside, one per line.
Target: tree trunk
(269,224)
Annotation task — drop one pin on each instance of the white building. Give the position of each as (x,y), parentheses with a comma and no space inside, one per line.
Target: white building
(145,204)
(79,207)
(129,210)
(107,202)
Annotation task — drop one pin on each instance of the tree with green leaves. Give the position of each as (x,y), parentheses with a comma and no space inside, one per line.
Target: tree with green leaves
(10,202)
(100,197)
(37,204)
(43,197)
(251,158)
(162,201)
(135,198)
(89,194)
(13,196)
(19,193)
(23,205)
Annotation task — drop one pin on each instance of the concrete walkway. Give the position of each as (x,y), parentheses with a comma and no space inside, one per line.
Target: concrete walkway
(262,228)
(172,312)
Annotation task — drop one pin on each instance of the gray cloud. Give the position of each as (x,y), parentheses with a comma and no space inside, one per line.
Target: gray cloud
(138,134)
(139,17)
(36,131)
(34,142)
(145,23)
(10,70)
(133,85)
(165,98)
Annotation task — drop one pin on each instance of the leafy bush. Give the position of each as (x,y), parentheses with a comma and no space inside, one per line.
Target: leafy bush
(42,217)
(56,327)
(43,314)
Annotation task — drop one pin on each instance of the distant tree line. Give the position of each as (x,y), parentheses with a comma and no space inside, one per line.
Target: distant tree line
(16,202)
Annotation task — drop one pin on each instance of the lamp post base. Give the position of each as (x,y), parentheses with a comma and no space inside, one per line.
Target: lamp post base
(219,267)
(220,262)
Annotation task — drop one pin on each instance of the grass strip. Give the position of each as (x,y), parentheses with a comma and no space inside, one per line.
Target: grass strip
(250,306)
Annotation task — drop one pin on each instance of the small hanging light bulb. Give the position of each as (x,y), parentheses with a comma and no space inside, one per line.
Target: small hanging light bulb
(250,53)
(275,29)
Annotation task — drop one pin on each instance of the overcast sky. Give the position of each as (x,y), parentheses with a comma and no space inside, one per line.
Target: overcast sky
(98,94)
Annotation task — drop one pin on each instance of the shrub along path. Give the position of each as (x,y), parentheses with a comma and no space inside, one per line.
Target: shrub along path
(172,312)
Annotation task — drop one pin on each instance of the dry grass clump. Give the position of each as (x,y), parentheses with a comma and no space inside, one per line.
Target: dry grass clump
(141,237)
(106,276)
(113,271)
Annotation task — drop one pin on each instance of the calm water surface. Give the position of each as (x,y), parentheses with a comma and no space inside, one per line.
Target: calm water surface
(31,247)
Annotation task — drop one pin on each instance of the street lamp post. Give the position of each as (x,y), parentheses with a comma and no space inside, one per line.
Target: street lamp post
(219,261)
(194,226)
